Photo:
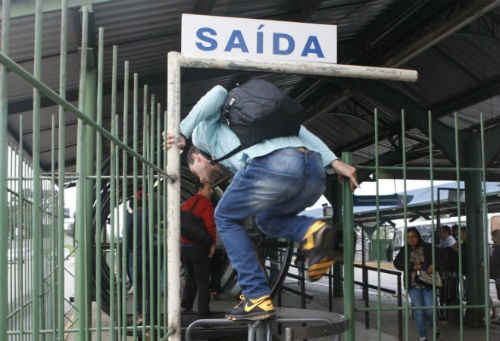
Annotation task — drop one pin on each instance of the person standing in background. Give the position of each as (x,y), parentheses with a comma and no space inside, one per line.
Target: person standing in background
(196,258)
(421,295)
(495,260)
(216,268)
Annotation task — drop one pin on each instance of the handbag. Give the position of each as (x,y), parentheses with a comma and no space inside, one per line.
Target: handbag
(424,278)
(193,228)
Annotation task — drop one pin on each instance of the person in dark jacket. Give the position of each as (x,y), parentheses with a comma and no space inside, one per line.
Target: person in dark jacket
(145,277)
(495,260)
(196,258)
(421,295)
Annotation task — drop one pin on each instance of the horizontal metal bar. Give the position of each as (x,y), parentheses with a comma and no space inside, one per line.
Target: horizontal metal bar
(309,68)
(21,72)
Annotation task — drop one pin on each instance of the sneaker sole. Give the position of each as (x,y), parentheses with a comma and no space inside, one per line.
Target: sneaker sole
(318,270)
(329,254)
(251,317)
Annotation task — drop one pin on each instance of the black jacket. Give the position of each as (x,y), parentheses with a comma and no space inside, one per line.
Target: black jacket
(399,261)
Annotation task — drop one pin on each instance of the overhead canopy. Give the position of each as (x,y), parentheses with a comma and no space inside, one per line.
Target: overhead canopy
(454,46)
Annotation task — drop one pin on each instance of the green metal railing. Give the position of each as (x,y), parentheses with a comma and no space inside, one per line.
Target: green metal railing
(34,261)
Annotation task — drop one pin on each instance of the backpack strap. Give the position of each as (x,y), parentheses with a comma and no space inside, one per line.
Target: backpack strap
(228,155)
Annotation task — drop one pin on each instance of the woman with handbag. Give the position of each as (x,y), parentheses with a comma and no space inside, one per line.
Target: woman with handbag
(419,262)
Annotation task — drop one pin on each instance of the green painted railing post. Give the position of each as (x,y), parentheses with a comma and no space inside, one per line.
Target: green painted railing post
(348,254)
(3,170)
(61,158)
(90,111)
(80,223)
(37,191)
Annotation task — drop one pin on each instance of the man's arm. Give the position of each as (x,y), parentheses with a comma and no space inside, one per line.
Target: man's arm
(341,168)
(207,108)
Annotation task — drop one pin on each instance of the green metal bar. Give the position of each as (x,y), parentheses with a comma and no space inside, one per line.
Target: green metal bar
(418,168)
(486,276)
(159,219)
(36,208)
(348,254)
(4,295)
(433,242)
(151,222)
(405,214)
(112,204)
(20,218)
(91,103)
(165,259)
(61,171)
(80,224)
(54,229)
(98,161)
(45,90)
(124,262)
(135,189)
(457,174)
(145,147)
(113,167)
(377,219)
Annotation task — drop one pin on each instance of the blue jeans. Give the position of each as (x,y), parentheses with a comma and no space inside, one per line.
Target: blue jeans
(421,297)
(274,188)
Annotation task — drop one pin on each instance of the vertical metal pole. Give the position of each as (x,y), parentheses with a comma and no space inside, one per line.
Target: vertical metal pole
(37,192)
(22,222)
(98,161)
(80,224)
(151,224)
(159,221)
(113,165)
(452,314)
(348,254)
(54,219)
(112,204)
(173,195)
(405,216)
(90,106)
(377,221)
(485,234)
(3,170)
(145,146)
(61,156)
(433,239)
(124,253)
(165,257)
(135,189)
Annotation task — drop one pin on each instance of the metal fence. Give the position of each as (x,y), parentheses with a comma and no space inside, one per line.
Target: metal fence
(36,251)
(113,166)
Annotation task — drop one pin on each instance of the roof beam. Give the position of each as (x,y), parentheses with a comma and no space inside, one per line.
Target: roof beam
(470,13)
(468,97)
(445,29)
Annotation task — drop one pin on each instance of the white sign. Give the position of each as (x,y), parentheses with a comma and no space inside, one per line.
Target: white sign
(270,40)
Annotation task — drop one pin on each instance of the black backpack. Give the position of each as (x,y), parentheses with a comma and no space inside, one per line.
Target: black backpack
(257,110)
(193,227)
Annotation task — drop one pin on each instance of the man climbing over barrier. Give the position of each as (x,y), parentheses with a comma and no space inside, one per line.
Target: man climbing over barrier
(275,179)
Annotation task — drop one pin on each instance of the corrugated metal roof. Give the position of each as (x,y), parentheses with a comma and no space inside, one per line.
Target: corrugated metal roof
(459,73)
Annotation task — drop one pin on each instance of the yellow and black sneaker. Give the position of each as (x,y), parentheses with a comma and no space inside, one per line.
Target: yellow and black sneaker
(322,246)
(252,309)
